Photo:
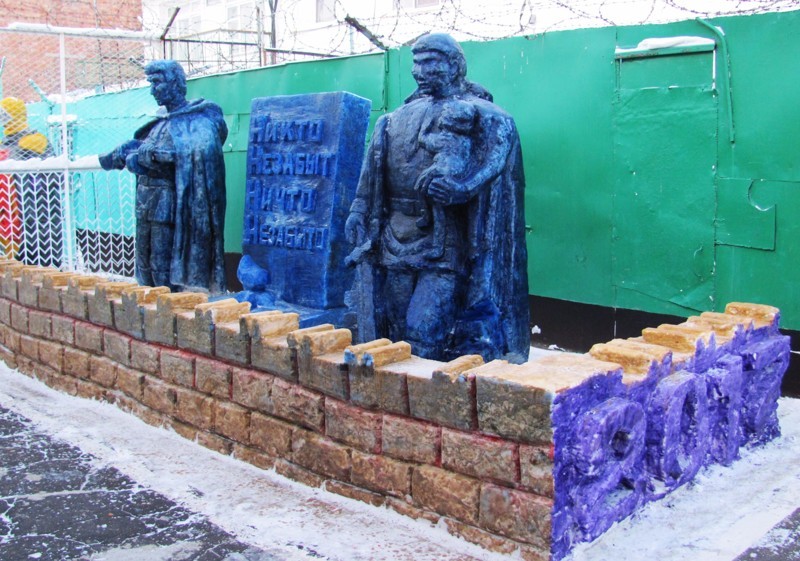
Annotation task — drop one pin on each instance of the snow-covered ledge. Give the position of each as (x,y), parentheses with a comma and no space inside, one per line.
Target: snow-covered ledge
(55,163)
(661,46)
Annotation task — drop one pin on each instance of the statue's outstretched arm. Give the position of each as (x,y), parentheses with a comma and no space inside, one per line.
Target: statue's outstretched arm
(116,158)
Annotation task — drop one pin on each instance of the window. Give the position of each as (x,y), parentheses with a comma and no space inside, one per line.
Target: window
(189,25)
(241,17)
(325,10)
(416,4)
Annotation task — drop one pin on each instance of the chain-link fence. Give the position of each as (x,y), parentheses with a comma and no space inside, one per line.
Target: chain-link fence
(66,95)
(226,51)
(65,98)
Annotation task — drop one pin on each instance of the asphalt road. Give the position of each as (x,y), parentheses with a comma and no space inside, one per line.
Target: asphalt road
(57,504)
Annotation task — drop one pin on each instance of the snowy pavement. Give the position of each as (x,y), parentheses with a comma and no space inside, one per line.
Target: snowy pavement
(57,503)
(250,514)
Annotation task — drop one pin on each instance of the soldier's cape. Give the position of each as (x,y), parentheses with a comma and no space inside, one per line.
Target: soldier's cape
(198,132)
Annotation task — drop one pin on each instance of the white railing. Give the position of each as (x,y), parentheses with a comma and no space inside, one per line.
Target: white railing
(84,89)
(72,215)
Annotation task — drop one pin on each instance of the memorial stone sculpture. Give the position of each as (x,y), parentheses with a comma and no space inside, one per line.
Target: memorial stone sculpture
(303,161)
(438,219)
(180,186)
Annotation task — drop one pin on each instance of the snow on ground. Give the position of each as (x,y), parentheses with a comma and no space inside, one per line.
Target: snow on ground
(715,518)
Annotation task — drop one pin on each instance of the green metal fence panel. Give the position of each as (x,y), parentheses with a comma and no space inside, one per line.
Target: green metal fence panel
(733,227)
(664,199)
(558,88)
(760,263)
(758,171)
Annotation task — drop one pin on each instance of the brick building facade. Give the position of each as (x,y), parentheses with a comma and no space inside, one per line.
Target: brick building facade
(92,64)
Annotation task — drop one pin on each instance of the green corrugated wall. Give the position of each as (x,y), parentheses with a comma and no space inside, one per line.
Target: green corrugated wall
(668,184)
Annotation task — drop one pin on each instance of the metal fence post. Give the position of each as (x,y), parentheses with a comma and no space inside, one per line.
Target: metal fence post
(69,230)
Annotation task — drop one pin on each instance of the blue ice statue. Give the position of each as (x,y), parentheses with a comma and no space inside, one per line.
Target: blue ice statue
(180,186)
(303,159)
(438,224)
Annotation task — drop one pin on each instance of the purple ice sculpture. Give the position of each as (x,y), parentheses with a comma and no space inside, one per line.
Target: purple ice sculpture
(724,390)
(678,432)
(608,448)
(765,362)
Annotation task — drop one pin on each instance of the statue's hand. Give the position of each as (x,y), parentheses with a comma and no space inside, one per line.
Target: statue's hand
(355,229)
(128,147)
(151,155)
(133,165)
(116,158)
(424,180)
(445,191)
(146,152)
